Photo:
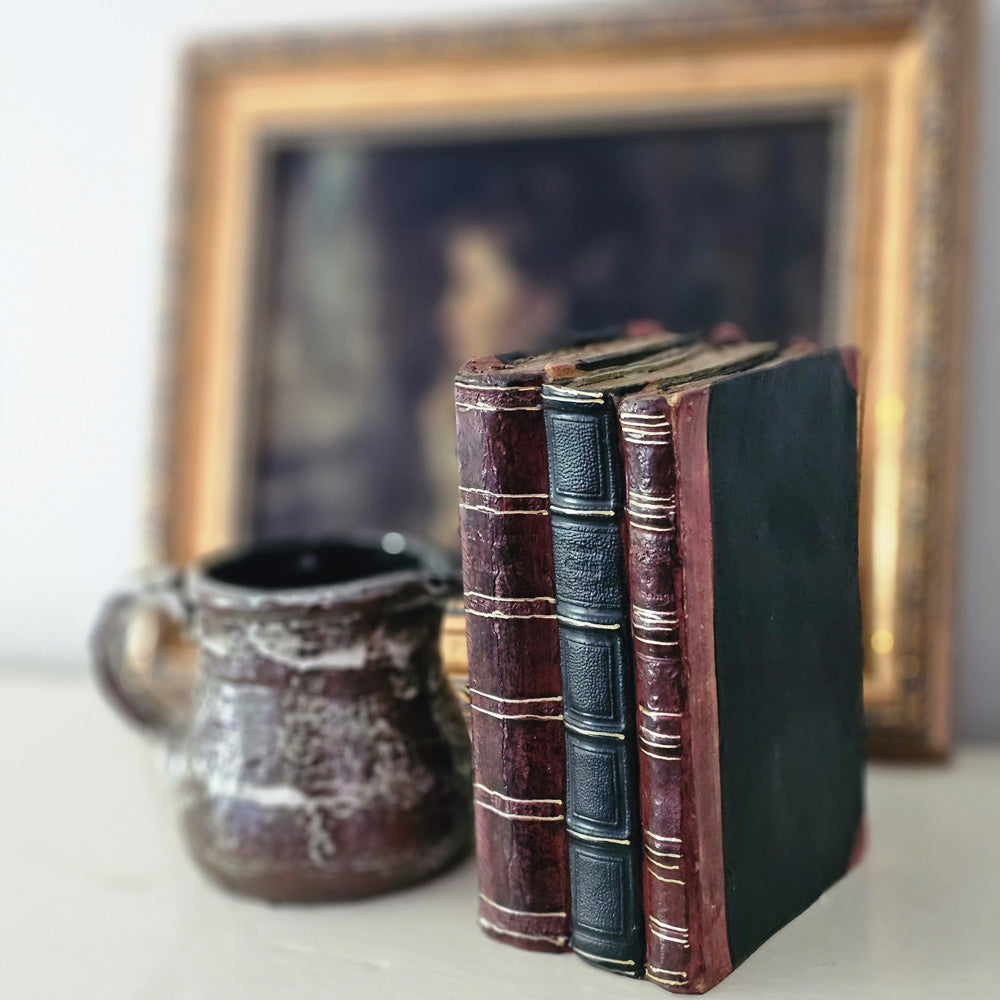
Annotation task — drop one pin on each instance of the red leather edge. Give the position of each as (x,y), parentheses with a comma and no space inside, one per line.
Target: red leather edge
(702,824)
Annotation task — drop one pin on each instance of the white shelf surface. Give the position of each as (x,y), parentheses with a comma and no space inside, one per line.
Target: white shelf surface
(98,899)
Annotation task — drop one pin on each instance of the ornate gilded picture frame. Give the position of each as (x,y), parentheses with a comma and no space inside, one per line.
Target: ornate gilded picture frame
(267,124)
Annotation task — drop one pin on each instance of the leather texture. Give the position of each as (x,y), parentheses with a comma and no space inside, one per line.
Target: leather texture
(673,958)
(587,496)
(782,449)
(519,757)
(513,641)
(742,560)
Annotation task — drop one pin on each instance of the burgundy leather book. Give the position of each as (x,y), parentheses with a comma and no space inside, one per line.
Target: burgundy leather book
(515,685)
(741,498)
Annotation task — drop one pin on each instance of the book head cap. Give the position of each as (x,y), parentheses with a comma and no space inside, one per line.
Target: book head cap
(561,369)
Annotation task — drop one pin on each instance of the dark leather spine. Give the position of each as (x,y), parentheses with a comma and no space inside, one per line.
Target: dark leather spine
(514,678)
(587,498)
(651,509)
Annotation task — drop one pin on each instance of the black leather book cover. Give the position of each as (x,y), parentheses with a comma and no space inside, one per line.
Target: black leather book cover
(782,454)
(586,488)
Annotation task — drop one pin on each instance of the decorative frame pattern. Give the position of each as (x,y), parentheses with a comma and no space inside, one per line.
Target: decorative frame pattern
(900,71)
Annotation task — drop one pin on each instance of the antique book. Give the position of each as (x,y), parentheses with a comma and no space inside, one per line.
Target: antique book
(586,486)
(515,686)
(742,500)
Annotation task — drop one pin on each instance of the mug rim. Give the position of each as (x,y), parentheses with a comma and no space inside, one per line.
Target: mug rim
(433,571)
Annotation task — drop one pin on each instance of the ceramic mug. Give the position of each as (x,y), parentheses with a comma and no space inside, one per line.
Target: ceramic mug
(324,754)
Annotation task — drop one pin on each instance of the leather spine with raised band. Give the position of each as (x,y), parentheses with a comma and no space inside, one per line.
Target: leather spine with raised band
(514,677)
(662,720)
(592,601)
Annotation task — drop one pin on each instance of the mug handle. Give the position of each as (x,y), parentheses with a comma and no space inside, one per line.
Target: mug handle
(160,590)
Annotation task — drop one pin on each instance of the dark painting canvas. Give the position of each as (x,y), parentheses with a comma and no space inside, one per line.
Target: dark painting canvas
(385,265)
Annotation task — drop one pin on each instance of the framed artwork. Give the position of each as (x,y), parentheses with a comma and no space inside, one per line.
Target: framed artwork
(356,215)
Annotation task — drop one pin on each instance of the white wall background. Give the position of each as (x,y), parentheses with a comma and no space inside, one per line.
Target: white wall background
(86,96)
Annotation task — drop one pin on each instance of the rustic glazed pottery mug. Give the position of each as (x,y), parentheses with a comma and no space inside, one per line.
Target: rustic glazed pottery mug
(324,754)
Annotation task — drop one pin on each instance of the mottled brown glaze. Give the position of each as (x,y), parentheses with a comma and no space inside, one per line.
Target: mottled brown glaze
(325,756)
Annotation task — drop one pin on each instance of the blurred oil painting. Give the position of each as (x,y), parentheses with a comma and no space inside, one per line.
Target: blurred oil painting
(387,266)
(357,214)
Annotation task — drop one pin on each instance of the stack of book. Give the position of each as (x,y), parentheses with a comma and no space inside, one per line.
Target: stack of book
(659,548)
